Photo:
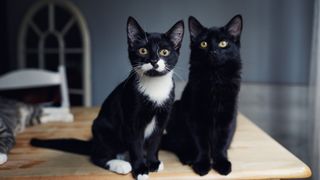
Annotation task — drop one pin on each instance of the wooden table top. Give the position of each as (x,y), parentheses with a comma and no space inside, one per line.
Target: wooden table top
(253,153)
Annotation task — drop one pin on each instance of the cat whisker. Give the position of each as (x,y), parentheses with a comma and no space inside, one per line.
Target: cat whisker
(131,74)
(179,76)
(180,68)
(174,73)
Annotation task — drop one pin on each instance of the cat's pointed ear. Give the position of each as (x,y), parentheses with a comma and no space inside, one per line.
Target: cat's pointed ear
(195,27)
(134,31)
(175,34)
(234,26)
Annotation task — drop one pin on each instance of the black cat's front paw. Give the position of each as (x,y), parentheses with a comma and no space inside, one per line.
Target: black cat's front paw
(201,167)
(155,166)
(141,172)
(223,167)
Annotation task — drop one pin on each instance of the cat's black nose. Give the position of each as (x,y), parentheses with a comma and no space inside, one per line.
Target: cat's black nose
(154,63)
(214,52)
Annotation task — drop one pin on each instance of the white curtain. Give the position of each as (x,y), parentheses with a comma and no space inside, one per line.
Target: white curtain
(314,96)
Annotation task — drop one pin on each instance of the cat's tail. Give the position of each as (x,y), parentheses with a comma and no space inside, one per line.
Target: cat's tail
(67,145)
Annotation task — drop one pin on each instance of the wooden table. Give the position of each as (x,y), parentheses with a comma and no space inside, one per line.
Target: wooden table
(253,153)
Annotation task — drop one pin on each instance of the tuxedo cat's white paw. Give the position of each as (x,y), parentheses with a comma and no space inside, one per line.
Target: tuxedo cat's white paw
(161,167)
(119,166)
(3,158)
(142,177)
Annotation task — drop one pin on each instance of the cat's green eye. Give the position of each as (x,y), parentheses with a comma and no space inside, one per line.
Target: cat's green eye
(143,51)
(223,44)
(164,52)
(203,44)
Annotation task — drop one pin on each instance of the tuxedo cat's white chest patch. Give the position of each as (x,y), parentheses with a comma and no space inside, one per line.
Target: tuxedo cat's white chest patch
(156,88)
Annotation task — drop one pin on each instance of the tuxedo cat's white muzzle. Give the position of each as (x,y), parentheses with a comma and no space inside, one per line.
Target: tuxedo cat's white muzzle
(146,67)
(159,66)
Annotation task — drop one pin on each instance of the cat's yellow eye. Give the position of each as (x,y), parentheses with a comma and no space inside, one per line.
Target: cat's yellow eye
(223,44)
(203,44)
(143,51)
(164,52)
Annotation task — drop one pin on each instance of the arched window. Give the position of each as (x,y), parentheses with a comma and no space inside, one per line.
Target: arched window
(55,33)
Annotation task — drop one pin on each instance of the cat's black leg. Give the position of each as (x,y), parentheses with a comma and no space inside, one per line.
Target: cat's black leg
(201,165)
(105,147)
(153,162)
(153,142)
(101,151)
(219,156)
(105,156)
(136,151)
(187,154)
(220,143)
(181,141)
(187,151)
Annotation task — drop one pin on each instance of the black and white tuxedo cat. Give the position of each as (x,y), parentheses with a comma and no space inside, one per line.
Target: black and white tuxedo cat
(128,129)
(203,121)
(135,114)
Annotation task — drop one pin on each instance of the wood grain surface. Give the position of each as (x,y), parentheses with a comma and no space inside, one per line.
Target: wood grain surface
(253,153)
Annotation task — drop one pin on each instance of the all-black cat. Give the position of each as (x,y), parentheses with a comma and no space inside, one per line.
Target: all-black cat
(129,126)
(203,121)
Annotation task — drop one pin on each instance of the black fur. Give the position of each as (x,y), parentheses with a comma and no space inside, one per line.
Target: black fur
(203,122)
(124,115)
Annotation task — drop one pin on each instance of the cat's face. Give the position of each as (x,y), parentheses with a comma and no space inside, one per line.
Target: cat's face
(215,46)
(153,54)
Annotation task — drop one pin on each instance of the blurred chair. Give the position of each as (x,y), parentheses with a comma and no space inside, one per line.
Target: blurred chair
(35,78)
(62,39)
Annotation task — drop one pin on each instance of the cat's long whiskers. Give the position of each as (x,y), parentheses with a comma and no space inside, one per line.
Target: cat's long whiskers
(175,73)
(179,76)
(179,67)
(177,70)
(131,74)
(183,70)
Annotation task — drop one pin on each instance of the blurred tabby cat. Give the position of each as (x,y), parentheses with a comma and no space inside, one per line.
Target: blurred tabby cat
(15,116)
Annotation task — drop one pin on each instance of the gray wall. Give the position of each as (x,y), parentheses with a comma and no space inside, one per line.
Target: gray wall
(275,42)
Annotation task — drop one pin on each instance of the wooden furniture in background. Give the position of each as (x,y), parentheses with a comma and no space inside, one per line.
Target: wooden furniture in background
(54,33)
(253,153)
(35,78)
